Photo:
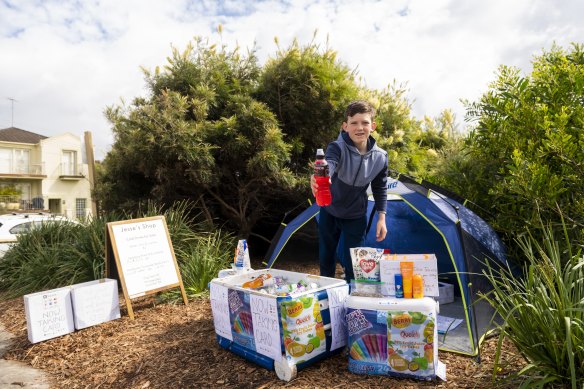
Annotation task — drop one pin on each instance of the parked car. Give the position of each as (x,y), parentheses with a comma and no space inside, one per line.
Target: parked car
(11,225)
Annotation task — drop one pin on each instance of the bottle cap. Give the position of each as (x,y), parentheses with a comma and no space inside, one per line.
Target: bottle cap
(319,153)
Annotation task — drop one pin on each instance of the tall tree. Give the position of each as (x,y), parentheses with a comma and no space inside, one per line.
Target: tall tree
(525,153)
(308,89)
(199,135)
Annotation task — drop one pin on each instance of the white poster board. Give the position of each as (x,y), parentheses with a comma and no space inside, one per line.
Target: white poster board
(424,264)
(220,310)
(266,326)
(49,314)
(144,257)
(337,309)
(95,302)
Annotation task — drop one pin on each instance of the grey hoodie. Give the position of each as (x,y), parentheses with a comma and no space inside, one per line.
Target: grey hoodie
(351,173)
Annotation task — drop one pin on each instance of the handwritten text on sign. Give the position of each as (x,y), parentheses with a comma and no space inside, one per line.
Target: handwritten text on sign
(145,256)
(336,303)
(220,309)
(266,326)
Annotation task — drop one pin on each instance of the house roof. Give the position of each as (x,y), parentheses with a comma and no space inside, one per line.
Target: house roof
(13,134)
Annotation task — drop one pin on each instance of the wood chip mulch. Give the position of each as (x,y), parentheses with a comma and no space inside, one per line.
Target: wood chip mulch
(174,345)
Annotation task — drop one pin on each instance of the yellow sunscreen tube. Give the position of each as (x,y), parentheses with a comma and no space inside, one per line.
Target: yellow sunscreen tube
(407,271)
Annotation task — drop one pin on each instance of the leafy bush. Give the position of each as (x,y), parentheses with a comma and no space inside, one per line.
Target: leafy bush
(61,254)
(544,311)
(523,160)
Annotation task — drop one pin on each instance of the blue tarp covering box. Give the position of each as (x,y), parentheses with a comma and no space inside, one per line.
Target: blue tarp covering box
(282,333)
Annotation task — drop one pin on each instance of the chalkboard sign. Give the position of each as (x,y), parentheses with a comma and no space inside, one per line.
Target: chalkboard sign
(144,258)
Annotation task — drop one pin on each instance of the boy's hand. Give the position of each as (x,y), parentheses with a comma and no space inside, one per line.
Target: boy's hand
(381,230)
(313,185)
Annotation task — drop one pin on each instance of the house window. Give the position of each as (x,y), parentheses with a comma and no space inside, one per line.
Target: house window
(68,162)
(14,161)
(80,205)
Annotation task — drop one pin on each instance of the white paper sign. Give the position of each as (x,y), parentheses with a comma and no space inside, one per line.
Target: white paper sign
(145,256)
(95,302)
(266,326)
(48,314)
(424,264)
(336,303)
(220,309)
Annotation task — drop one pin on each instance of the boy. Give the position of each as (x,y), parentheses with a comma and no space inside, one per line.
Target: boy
(355,161)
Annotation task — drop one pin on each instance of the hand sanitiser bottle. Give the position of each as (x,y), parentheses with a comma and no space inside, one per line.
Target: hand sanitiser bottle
(321,175)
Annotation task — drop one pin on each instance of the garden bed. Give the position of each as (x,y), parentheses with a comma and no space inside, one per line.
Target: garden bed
(173,345)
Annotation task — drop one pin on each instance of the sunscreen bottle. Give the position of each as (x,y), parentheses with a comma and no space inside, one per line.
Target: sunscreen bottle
(417,286)
(399,289)
(407,270)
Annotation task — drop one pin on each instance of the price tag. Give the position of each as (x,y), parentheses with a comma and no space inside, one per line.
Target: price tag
(266,326)
(220,309)
(336,303)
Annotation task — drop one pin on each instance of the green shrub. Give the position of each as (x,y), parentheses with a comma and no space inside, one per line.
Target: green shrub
(61,254)
(544,311)
(50,256)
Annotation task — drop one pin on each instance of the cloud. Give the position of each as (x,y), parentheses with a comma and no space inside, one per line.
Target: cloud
(66,61)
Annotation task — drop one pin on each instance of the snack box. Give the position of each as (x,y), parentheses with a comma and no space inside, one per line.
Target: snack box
(393,337)
(284,333)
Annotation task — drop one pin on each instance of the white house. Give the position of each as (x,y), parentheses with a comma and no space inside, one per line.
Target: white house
(48,171)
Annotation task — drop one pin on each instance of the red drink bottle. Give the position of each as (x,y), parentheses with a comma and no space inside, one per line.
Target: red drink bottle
(321,174)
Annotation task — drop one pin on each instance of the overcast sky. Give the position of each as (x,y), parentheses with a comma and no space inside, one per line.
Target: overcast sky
(64,61)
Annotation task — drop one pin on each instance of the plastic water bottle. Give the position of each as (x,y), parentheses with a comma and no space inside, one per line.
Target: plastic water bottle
(321,174)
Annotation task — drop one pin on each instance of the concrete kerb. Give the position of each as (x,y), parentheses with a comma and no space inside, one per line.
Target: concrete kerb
(14,374)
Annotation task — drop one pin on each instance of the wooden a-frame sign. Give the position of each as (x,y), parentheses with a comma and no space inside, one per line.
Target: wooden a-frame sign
(144,258)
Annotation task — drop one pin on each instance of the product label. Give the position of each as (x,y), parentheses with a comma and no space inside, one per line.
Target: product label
(304,336)
(410,343)
(241,319)
(366,263)
(397,343)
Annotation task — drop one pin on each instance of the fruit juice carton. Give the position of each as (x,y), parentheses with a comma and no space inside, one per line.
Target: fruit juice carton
(394,337)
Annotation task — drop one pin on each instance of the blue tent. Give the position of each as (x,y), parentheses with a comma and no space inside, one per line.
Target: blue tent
(423,218)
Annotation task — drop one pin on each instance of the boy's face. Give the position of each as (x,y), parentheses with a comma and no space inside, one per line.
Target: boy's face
(359,126)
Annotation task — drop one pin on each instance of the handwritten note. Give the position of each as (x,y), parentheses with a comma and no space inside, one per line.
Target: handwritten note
(424,264)
(144,252)
(266,326)
(336,303)
(220,309)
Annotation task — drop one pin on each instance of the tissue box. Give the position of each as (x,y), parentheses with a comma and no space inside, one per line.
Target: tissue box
(446,293)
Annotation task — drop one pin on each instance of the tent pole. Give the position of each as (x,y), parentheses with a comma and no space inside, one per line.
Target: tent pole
(470,289)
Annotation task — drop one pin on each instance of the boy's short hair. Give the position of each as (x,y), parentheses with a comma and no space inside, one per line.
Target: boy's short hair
(359,106)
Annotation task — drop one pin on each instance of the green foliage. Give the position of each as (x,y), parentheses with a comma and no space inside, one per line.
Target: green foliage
(412,145)
(9,191)
(543,311)
(200,135)
(61,254)
(525,155)
(308,89)
(51,256)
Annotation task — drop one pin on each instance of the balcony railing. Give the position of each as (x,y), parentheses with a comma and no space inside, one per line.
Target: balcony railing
(14,203)
(72,170)
(7,167)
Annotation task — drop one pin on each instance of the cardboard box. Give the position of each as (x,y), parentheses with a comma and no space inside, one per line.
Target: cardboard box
(95,302)
(446,293)
(49,314)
